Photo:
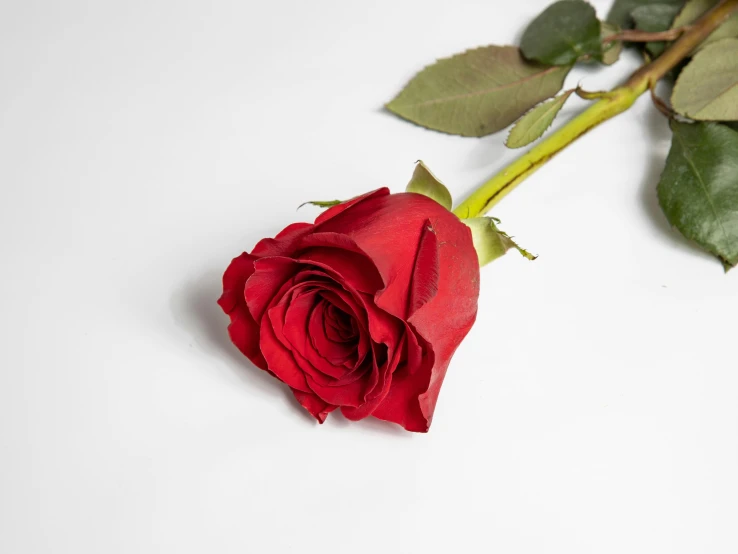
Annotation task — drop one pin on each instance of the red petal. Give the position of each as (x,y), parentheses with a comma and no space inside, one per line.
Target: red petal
(424,284)
(388,230)
(317,408)
(409,382)
(355,269)
(343,206)
(283,243)
(349,394)
(244,333)
(243,330)
(234,278)
(280,360)
(380,392)
(269,277)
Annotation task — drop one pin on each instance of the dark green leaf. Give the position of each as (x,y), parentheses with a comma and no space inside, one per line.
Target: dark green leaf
(610,50)
(655,18)
(533,124)
(707,88)
(478,92)
(425,183)
(620,13)
(565,32)
(693,9)
(698,191)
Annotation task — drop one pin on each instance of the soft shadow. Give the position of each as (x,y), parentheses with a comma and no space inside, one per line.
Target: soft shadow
(369,425)
(195,310)
(660,139)
(489,150)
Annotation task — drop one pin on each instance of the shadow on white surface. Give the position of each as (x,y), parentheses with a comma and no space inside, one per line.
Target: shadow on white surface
(195,310)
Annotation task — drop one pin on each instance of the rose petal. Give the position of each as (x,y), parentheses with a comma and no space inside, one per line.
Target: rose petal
(234,279)
(296,332)
(382,227)
(244,333)
(344,206)
(337,353)
(424,282)
(381,390)
(317,408)
(355,269)
(409,381)
(346,394)
(279,359)
(283,243)
(270,275)
(243,330)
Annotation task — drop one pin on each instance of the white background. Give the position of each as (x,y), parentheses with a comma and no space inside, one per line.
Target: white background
(143,144)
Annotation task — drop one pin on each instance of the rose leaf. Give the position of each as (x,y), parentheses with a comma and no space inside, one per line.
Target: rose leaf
(611,50)
(620,13)
(533,124)
(698,190)
(707,88)
(477,92)
(563,33)
(694,9)
(655,18)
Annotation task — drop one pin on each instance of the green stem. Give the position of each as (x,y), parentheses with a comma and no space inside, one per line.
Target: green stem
(617,101)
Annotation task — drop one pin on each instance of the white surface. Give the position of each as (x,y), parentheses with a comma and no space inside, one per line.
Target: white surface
(145,143)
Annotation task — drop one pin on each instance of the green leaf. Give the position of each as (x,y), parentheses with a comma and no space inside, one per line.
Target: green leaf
(321,203)
(655,18)
(698,190)
(693,9)
(707,88)
(610,51)
(489,242)
(620,13)
(425,183)
(477,92)
(565,32)
(533,124)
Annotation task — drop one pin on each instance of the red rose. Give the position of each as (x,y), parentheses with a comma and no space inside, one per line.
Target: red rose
(361,310)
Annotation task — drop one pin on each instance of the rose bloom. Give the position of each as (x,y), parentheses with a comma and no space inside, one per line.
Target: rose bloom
(361,310)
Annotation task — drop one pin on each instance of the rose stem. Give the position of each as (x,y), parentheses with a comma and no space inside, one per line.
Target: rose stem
(611,104)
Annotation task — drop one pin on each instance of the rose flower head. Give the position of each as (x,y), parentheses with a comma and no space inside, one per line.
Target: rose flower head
(363,309)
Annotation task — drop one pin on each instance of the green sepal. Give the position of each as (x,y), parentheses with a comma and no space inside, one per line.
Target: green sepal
(425,183)
(491,243)
(321,203)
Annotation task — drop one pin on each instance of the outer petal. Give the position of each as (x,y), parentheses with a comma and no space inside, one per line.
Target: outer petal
(317,408)
(424,282)
(354,267)
(280,360)
(283,243)
(234,278)
(343,206)
(243,330)
(269,277)
(441,323)
(389,230)
(455,305)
